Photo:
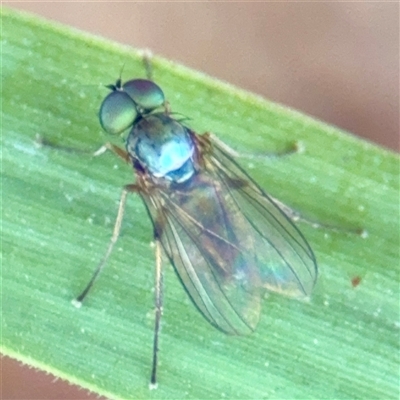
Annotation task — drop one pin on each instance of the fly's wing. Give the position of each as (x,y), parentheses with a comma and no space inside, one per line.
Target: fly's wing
(209,242)
(285,260)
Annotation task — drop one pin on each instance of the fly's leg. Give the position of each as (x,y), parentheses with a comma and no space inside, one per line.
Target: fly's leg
(296,216)
(117,229)
(118,222)
(146,60)
(147,57)
(158,301)
(295,147)
(115,149)
(207,140)
(158,296)
(42,141)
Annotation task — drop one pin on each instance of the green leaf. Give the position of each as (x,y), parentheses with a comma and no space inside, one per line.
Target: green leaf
(59,208)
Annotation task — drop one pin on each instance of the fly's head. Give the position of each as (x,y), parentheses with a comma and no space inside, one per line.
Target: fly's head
(157,143)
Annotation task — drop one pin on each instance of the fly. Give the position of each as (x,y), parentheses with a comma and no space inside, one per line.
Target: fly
(228,241)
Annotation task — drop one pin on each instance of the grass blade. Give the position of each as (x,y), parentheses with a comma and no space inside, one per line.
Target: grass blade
(59,209)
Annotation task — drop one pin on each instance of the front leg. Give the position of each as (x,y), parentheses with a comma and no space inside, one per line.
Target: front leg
(117,229)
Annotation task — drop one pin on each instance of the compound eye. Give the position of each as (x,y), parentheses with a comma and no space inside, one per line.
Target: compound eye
(146,94)
(117,112)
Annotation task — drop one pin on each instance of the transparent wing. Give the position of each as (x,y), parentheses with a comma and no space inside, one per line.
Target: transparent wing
(285,260)
(204,235)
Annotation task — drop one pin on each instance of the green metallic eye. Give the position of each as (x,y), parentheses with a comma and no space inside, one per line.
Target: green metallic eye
(117,112)
(146,94)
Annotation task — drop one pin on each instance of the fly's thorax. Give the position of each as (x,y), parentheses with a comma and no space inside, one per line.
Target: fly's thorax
(162,146)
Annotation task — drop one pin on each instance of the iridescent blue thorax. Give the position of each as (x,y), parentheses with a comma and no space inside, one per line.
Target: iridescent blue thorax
(162,146)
